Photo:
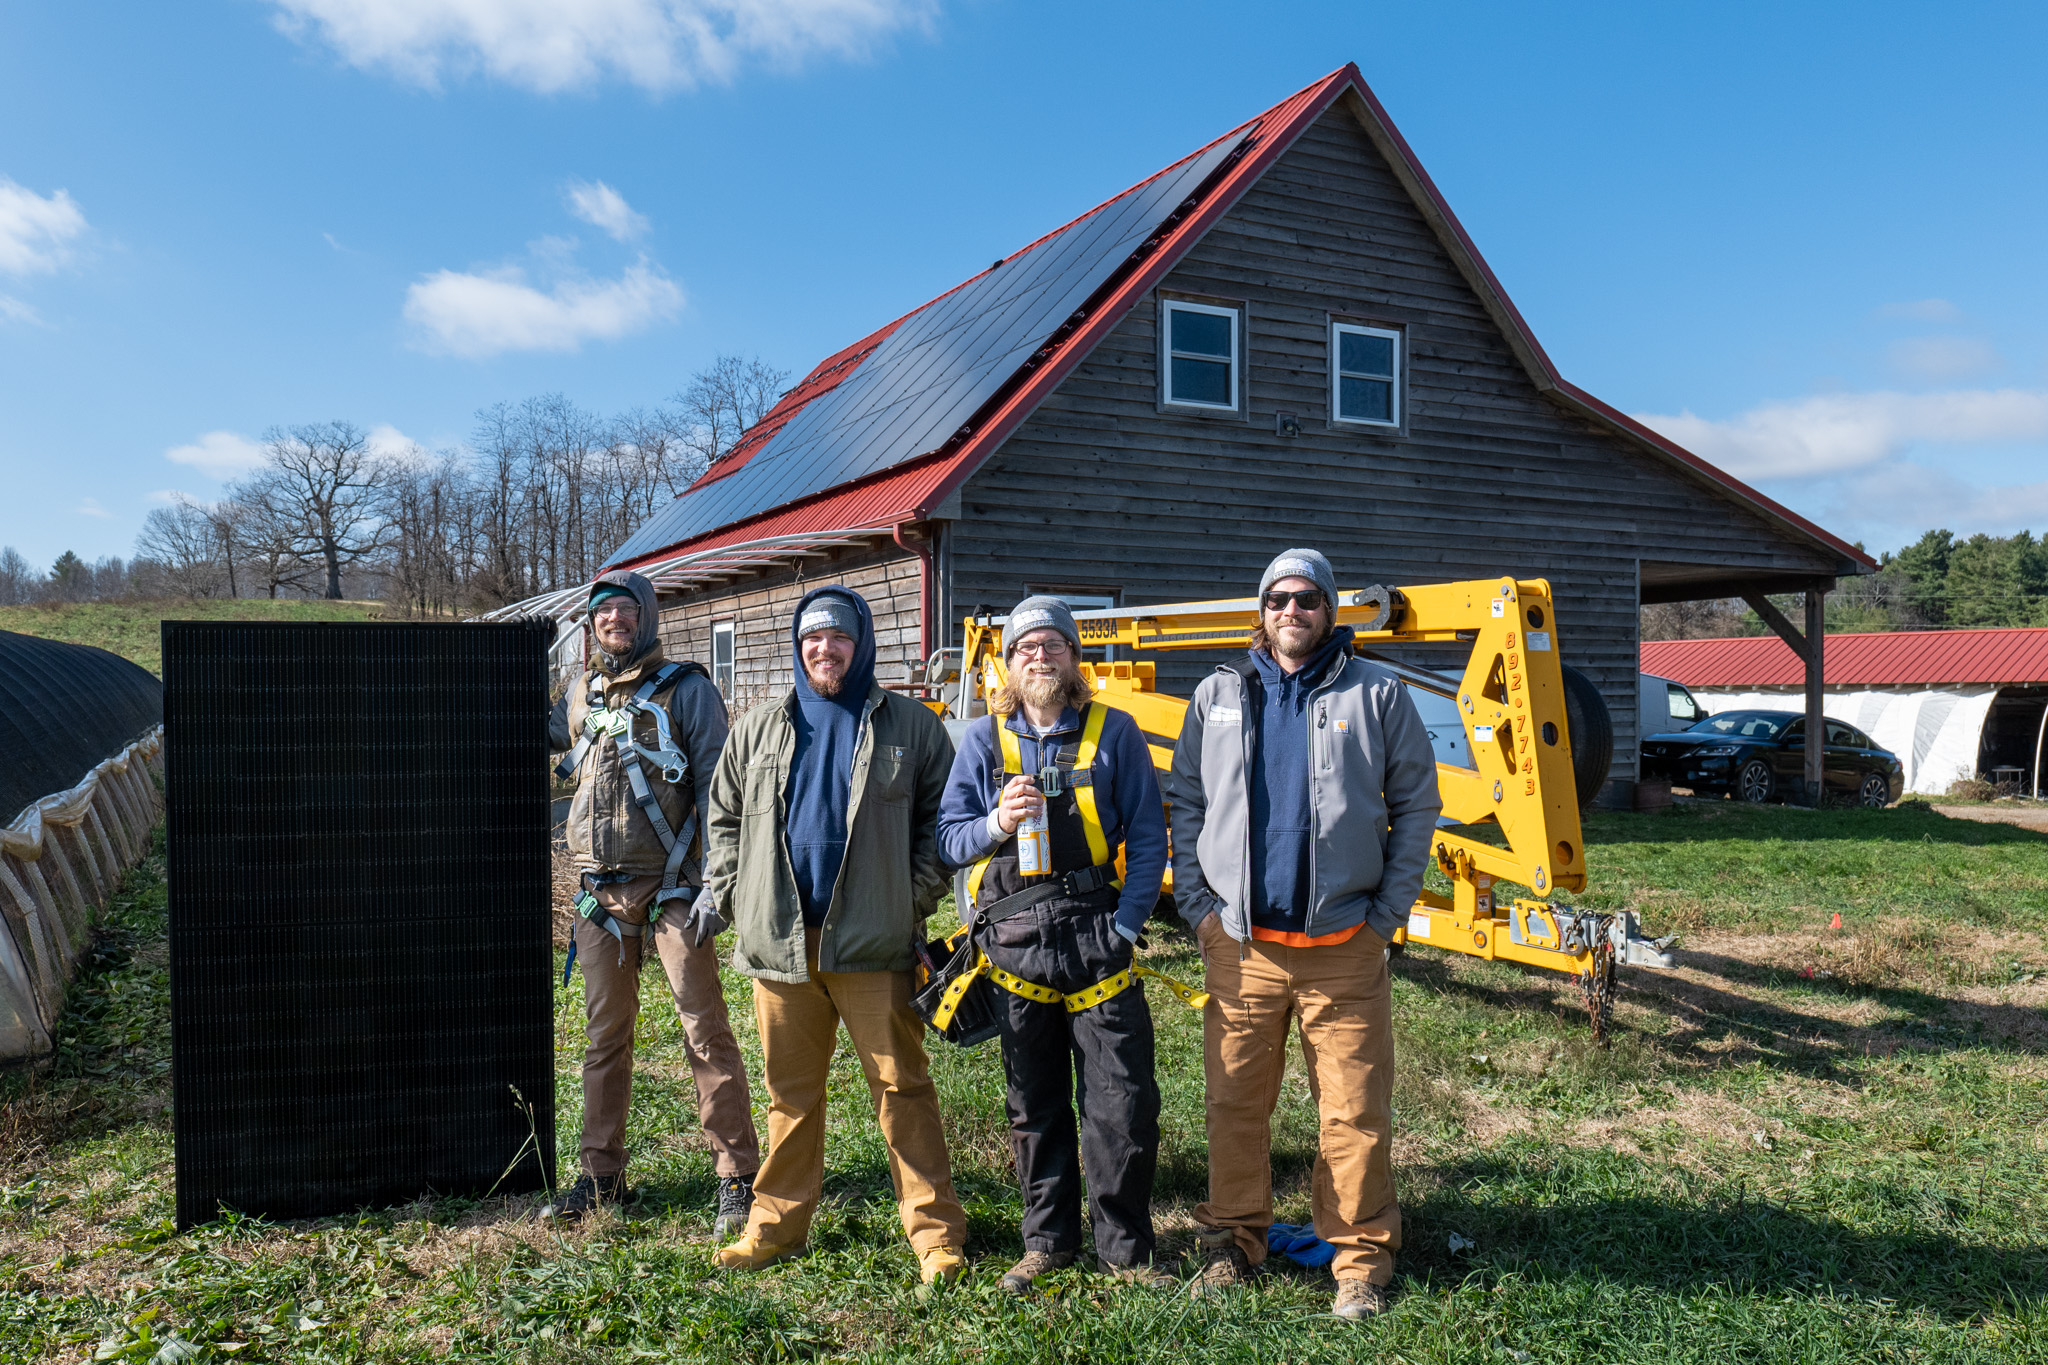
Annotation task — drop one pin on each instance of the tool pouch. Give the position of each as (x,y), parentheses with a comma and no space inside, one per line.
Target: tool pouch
(939,964)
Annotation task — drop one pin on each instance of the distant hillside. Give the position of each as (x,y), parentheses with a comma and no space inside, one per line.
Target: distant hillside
(129,629)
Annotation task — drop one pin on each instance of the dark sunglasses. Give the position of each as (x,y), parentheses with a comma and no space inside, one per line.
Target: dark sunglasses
(1308,599)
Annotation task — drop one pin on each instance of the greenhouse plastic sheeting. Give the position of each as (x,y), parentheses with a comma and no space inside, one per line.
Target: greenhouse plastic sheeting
(64,709)
(360,913)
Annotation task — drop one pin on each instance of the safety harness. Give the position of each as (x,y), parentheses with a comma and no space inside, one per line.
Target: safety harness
(1071,769)
(614,725)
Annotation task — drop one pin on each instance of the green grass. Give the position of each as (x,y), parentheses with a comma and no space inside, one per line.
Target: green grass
(129,629)
(1766,1166)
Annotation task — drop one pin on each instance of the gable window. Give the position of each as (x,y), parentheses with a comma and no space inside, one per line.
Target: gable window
(721,656)
(1199,355)
(1365,374)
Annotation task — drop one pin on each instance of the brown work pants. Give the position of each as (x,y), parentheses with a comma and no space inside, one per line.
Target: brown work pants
(611,999)
(1340,994)
(799,1031)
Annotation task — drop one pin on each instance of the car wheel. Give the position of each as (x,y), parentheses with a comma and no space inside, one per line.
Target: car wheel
(1875,792)
(1755,782)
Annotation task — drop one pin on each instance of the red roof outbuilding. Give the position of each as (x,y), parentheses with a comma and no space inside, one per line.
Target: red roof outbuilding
(1917,658)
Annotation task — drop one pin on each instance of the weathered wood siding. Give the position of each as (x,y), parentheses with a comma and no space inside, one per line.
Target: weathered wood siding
(1102,489)
(760,609)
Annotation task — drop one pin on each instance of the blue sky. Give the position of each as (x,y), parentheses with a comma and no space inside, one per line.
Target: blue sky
(1806,239)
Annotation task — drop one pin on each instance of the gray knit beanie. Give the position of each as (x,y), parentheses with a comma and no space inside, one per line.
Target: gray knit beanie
(830,611)
(1309,564)
(1039,613)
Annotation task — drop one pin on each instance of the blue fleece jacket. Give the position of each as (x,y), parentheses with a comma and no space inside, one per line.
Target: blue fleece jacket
(1133,816)
(1282,883)
(821,764)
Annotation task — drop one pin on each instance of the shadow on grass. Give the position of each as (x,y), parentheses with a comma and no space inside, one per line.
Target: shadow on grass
(1719,822)
(1521,1225)
(1777,1034)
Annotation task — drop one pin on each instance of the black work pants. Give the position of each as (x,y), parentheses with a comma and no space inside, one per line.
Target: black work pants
(1097,1063)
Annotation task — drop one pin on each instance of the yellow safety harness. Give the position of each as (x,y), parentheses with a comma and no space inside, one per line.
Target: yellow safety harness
(1082,782)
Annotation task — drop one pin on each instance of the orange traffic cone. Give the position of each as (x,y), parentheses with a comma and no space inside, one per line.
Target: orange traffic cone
(1836,922)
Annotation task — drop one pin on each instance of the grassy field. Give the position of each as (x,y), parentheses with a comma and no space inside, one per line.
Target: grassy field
(129,629)
(1805,1145)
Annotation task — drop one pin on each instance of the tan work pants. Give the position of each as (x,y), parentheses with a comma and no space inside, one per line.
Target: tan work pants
(1340,994)
(799,1031)
(611,998)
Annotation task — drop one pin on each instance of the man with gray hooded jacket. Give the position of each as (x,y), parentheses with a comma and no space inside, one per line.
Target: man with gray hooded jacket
(645,737)
(1304,795)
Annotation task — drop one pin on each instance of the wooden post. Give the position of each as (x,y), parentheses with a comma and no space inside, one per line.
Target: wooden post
(1810,648)
(1816,725)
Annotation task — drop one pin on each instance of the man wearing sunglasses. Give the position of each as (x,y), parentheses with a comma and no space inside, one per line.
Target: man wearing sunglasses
(1304,796)
(1058,928)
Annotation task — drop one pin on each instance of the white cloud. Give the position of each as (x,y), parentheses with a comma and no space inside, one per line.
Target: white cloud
(219,455)
(1922,310)
(555,45)
(601,206)
(170,497)
(480,315)
(1893,502)
(14,310)
(36,230)
(1831,433)
(1940,358)
(90,507)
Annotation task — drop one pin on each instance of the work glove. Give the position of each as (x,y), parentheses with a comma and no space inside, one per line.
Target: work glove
(705,923)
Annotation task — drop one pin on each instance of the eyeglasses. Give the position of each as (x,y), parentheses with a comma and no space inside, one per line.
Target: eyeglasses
(1308,599)
(617,607)
(1051,649)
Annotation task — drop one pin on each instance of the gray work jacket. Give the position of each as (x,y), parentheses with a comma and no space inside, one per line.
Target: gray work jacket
(1373,800)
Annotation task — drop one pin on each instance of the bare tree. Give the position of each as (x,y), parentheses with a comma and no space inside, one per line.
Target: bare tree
(180,537)
(325,478)
(725,398)
(17,580)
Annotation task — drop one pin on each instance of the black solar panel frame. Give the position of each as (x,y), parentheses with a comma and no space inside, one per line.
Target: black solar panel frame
(911,393)
(361,904)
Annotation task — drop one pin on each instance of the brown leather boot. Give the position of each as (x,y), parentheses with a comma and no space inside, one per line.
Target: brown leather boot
(1019,1278)
(1357,1298)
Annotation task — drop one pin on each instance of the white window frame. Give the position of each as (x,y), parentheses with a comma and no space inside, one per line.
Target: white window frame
(1167,308)
(722,672)
(1337,331)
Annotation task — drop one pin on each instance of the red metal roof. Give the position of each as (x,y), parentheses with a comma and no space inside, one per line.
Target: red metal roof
(911,490)
(1908,658)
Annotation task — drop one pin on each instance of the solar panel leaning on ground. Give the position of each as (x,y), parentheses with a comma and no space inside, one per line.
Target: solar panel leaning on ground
(360,913)
(937,369)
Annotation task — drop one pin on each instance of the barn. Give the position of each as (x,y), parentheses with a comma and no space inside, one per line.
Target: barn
(1283,338)
(1952,704)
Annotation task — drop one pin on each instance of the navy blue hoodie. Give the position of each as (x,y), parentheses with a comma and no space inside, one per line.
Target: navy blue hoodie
(1280,826)
(821,765)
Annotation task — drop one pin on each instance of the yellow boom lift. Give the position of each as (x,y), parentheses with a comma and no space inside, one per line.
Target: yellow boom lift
(1511,702)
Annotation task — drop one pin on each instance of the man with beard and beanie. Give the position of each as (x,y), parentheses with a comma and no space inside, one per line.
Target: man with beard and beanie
(646,735)
(824,853)
(1304,797)
(1053,938)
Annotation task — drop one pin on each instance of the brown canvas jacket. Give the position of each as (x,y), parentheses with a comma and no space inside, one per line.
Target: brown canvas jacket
(892,877)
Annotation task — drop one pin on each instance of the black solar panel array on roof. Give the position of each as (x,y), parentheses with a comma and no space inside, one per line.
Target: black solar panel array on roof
(936,370)
(65,709)
(360,913)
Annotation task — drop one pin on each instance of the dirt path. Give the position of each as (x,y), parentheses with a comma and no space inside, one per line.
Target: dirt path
(2029,817)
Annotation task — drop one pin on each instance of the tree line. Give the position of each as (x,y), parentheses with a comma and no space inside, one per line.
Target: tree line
(542,493)
(1939,582)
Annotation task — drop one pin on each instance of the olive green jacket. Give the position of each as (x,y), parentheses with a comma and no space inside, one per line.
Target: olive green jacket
(892,876)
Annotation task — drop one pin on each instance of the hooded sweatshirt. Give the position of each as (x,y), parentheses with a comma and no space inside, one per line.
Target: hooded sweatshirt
(1281,825)
(821,763)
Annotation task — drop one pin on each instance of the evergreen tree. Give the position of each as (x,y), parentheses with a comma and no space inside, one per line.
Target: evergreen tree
(70,578)
(1924,564)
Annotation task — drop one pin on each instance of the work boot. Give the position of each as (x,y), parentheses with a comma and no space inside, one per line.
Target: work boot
(1357,1298)
(751,1253)
(586,1194)
(940,1265)
(735,1202)
(1019,1278)
(1144,1274)
(1226,1266)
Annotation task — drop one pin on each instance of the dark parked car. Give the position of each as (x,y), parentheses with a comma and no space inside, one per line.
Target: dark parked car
(1760,755)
